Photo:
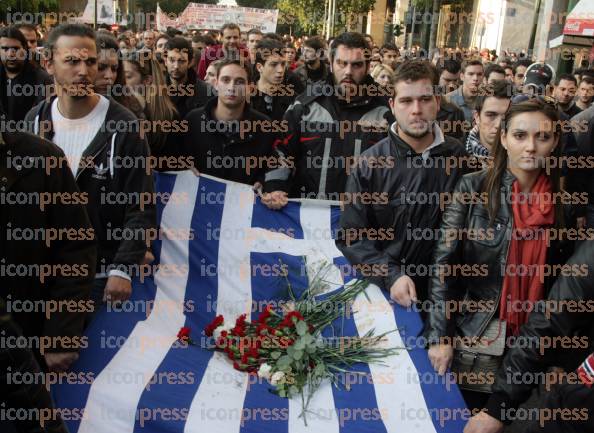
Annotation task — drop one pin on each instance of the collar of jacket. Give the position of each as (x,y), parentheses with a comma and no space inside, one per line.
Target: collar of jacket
(402,147)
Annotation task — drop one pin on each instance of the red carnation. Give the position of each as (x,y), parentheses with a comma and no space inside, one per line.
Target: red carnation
(264,315)
(218,321)
(184,334)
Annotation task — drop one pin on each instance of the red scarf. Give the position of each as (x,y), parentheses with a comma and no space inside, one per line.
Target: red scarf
(532,213)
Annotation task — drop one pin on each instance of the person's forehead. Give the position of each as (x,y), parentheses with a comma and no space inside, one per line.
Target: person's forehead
(9,42)
(414,88)
(175,53)
(499,105)
(254,36)
(346,53)
(566,83)
(76,45)
(531,122)
(448,75)
(232,71)
(275,58)
(474,69)
(231,32)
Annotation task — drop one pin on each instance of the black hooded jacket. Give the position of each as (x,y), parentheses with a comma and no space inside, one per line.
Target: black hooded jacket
(115,172)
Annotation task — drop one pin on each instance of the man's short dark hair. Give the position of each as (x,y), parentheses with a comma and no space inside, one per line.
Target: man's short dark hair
(389,47)
(230,26)
(181,44)
(521,62)
(267,47)
(274,36)
(199,38)
(27,26)
(13,32)
(588,79)
(315,42)
(498,89)
(226,62)
(162,36)
(472,62)
(453,66)
(415,70)
(254,32)
(351,40)
(79,30)
(493,68)
(566,77)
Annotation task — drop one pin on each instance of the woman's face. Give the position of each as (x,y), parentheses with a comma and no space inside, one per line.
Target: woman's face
(384,78)
(133,76)
(107,70)
(529,140)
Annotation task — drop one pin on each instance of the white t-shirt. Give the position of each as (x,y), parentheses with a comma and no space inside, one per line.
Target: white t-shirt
(73,136)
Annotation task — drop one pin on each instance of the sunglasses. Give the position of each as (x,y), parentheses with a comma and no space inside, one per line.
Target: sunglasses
(548,100)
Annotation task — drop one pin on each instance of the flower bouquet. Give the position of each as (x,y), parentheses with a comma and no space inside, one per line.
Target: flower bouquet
(286,347)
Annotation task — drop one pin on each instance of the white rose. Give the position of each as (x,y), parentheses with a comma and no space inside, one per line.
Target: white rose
(264,371)
(277,378)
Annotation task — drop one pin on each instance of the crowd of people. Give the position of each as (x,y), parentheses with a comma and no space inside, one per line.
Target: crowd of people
(479,165)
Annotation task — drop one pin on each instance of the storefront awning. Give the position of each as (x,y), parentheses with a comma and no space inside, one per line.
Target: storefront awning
(580,21)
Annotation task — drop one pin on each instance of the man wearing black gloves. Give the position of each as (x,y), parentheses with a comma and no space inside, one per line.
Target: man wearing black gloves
(105,151)
(329,125)
(392,206)
(564,316)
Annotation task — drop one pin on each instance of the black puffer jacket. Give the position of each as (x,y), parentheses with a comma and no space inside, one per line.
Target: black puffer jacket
(395,191)
(324,135)
(565,316)
(467,238)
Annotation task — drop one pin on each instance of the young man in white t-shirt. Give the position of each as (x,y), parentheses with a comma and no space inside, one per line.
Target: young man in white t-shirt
(98,136)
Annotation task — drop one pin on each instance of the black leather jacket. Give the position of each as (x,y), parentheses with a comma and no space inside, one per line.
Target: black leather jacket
(567,314)
(467,238)
(403,188)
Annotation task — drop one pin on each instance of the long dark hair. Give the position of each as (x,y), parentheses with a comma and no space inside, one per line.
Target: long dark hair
(119,91)
(493,179)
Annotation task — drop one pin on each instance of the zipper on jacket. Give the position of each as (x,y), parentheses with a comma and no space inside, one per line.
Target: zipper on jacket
(503,261)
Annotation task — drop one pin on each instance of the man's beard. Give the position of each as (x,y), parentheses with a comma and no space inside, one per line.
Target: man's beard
(14,69)
(311,62)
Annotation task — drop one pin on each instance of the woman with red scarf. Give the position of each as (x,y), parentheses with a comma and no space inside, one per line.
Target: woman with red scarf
(498,250)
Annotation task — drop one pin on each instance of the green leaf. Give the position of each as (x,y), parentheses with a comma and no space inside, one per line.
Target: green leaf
(284,361)
(275,355)
(301,328)
(298,354)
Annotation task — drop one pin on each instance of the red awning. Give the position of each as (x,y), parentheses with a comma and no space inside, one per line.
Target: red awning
(580,21)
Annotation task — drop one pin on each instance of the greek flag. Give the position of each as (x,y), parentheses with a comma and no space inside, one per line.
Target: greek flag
(221,252)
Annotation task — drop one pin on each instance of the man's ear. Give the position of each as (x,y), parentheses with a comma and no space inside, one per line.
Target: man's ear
(475,117)
(259,68)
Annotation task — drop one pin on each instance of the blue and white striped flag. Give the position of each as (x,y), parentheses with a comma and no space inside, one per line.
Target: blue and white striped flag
(221,252)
